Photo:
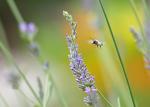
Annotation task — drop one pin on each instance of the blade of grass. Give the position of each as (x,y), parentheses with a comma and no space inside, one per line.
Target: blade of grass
(118,102)
(118,53)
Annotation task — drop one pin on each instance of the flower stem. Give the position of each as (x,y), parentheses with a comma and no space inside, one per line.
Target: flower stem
(15,11)
(132,4)
(118,54)
(146,9)
(102,95)
(118,102)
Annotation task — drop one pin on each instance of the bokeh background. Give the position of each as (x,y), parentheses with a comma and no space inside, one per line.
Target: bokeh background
(102,62)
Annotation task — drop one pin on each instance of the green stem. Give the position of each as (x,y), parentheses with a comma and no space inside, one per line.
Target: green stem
(102,95)
(51,89)
(47,92)
(4,101)
(118,53)
(2,34)
(15,11)
(118,102)
(146,9)
(133,6)
(9,57)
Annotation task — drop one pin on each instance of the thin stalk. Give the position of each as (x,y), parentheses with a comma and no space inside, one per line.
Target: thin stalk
(118,53)
(9,57)
(102,95)
(133,6)
(46,91)
(2,34)
(4,101)
(51,89)
(15,11)
(146,9)
(118,102)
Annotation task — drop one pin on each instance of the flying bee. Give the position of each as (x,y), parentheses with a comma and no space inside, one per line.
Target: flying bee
(96,43)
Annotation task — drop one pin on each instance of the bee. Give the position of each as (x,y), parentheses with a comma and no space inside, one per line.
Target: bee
(97,43)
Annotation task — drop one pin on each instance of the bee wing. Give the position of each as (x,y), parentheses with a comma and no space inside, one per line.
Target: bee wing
(90,41)
(100,43)
(103,43)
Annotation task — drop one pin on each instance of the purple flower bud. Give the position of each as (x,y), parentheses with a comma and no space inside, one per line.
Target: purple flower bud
(31,28)
(23,27)
(94,89)
(87,90)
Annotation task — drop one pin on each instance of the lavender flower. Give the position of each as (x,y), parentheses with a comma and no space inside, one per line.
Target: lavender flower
(138,38)
(84,80)
(143,38)
(28,29)
(72,23)
(40,86)
(142,46)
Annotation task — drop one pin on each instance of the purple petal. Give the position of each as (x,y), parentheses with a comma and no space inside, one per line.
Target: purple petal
(31,28)
(87,90)
(23,27)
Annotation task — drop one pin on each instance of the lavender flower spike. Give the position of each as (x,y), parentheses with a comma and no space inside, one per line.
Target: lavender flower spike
(142,46)
(84,80)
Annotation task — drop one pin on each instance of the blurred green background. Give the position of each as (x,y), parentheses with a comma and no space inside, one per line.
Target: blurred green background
(102,62)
